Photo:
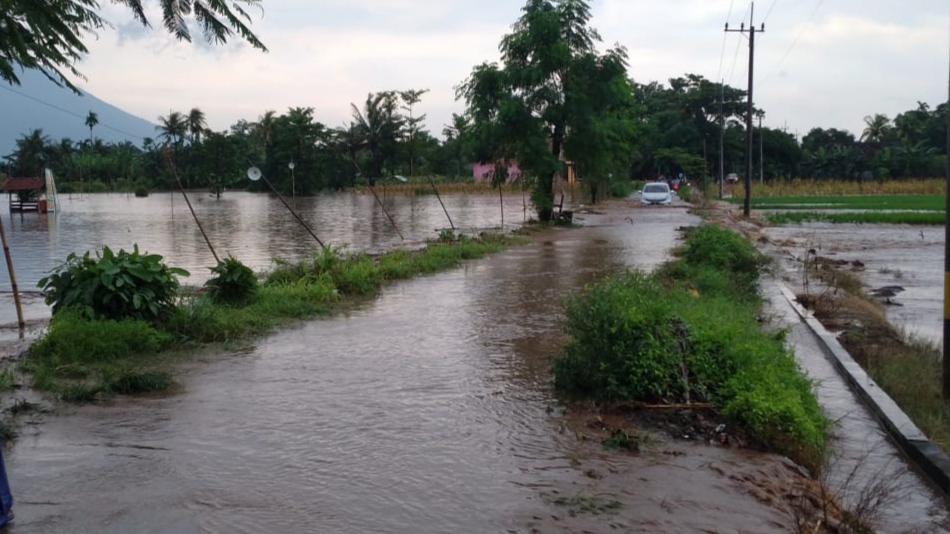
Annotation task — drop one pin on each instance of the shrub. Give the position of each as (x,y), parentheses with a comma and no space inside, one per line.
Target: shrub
(123,285)
(74,339)
(141,191)
(633,338)
(233,283)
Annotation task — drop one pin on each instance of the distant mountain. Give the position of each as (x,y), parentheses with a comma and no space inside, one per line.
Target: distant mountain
(59,112)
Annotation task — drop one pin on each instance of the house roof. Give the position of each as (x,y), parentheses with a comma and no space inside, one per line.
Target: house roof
(23,184)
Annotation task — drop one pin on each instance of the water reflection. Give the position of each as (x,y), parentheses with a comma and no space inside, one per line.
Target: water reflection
(255,228)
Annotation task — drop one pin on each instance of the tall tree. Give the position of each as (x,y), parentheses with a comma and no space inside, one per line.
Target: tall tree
(196,125)
(379,126)
(410,98)
(92,119)
(50,36)
(553,92)
(876,128)
(173,128)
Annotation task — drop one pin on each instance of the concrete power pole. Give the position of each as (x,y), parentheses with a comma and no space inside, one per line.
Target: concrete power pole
(747,205)
(946,273)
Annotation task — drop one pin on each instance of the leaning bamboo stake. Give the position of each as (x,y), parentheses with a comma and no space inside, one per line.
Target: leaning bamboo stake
(171,166)
(16,292)
(438,196)
(391,221)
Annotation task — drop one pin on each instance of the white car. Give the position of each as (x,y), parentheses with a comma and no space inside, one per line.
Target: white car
(656,193)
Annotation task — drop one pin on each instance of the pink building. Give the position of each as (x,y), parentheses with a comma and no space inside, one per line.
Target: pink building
(484,171)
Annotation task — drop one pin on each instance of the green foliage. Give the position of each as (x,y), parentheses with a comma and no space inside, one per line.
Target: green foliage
(233,282)
(553,98)
(137,382)
(65,26)
(655,338)
(719,261)
(622,188)
(123,285)
(74,339)
(141,191)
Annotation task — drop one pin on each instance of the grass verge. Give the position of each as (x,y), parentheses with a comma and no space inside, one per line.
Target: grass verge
(82,360)
(689,333)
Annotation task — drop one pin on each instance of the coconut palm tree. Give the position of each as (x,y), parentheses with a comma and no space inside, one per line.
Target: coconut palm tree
(172,128)
(197,124)
(380,127)
(92,119)
(877,128)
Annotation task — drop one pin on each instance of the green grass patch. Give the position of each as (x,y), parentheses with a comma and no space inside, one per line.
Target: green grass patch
(81,359)
(689,333)
(860,217)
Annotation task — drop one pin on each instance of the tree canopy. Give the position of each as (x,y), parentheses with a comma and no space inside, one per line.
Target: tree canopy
(553,99)
(50,36)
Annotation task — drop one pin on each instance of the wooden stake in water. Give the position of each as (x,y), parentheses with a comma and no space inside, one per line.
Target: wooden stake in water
(171,166)
(16,292)
(434,188)
(390,217)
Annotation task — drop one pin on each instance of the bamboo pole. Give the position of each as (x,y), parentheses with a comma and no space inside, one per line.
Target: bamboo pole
(434,188)
(16,292)
(171,166)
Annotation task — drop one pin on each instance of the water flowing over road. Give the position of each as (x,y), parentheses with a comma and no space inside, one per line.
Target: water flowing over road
(426,409)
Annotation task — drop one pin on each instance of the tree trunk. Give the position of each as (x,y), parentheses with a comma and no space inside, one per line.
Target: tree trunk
(545,212)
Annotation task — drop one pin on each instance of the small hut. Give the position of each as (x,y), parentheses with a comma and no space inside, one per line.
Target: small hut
(25,194)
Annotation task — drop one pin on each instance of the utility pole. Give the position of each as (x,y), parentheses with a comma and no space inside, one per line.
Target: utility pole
(946,275)
(722,135)
(747,205)
(761,114)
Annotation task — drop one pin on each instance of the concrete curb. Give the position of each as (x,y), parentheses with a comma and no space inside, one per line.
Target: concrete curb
(930,458)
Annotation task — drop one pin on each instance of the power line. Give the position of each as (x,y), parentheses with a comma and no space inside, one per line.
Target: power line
(795,42)
(66,111)
(769,12)
(722,53)
(738,43)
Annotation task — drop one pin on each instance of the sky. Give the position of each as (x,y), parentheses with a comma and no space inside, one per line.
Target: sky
(819,63)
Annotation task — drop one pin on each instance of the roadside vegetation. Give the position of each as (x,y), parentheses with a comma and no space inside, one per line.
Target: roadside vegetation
(118,318)
(689,334)
(838,187)
(908,370)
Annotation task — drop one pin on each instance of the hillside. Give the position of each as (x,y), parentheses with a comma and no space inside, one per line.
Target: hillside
(59,112)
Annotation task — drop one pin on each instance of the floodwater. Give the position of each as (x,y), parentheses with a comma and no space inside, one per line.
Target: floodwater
(427,409)
(255,228)
(911,257)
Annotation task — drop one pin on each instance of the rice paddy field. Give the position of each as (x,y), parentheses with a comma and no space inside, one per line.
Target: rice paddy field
(915,202)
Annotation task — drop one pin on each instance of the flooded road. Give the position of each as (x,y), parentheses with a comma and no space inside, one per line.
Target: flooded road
(427,409)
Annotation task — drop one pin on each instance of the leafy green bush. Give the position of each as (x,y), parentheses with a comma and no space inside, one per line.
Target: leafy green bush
(719,261)
(233,283)
(638,337)
(123,285)
(622,188)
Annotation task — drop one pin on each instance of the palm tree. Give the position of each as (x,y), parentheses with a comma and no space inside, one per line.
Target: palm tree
(172,128)
(380,126)
(877,128)
(92,119)
(196,124)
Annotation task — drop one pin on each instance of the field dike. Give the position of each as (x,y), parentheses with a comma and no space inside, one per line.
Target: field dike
(79,359)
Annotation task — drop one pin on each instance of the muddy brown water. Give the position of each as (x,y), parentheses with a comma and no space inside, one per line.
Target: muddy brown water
(428,409)
(892,255)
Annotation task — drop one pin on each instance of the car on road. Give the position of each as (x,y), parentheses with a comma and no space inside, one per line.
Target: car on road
(732,178)
(656,193)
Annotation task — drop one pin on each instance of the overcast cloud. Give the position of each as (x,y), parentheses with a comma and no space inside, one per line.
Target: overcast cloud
(822,63)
